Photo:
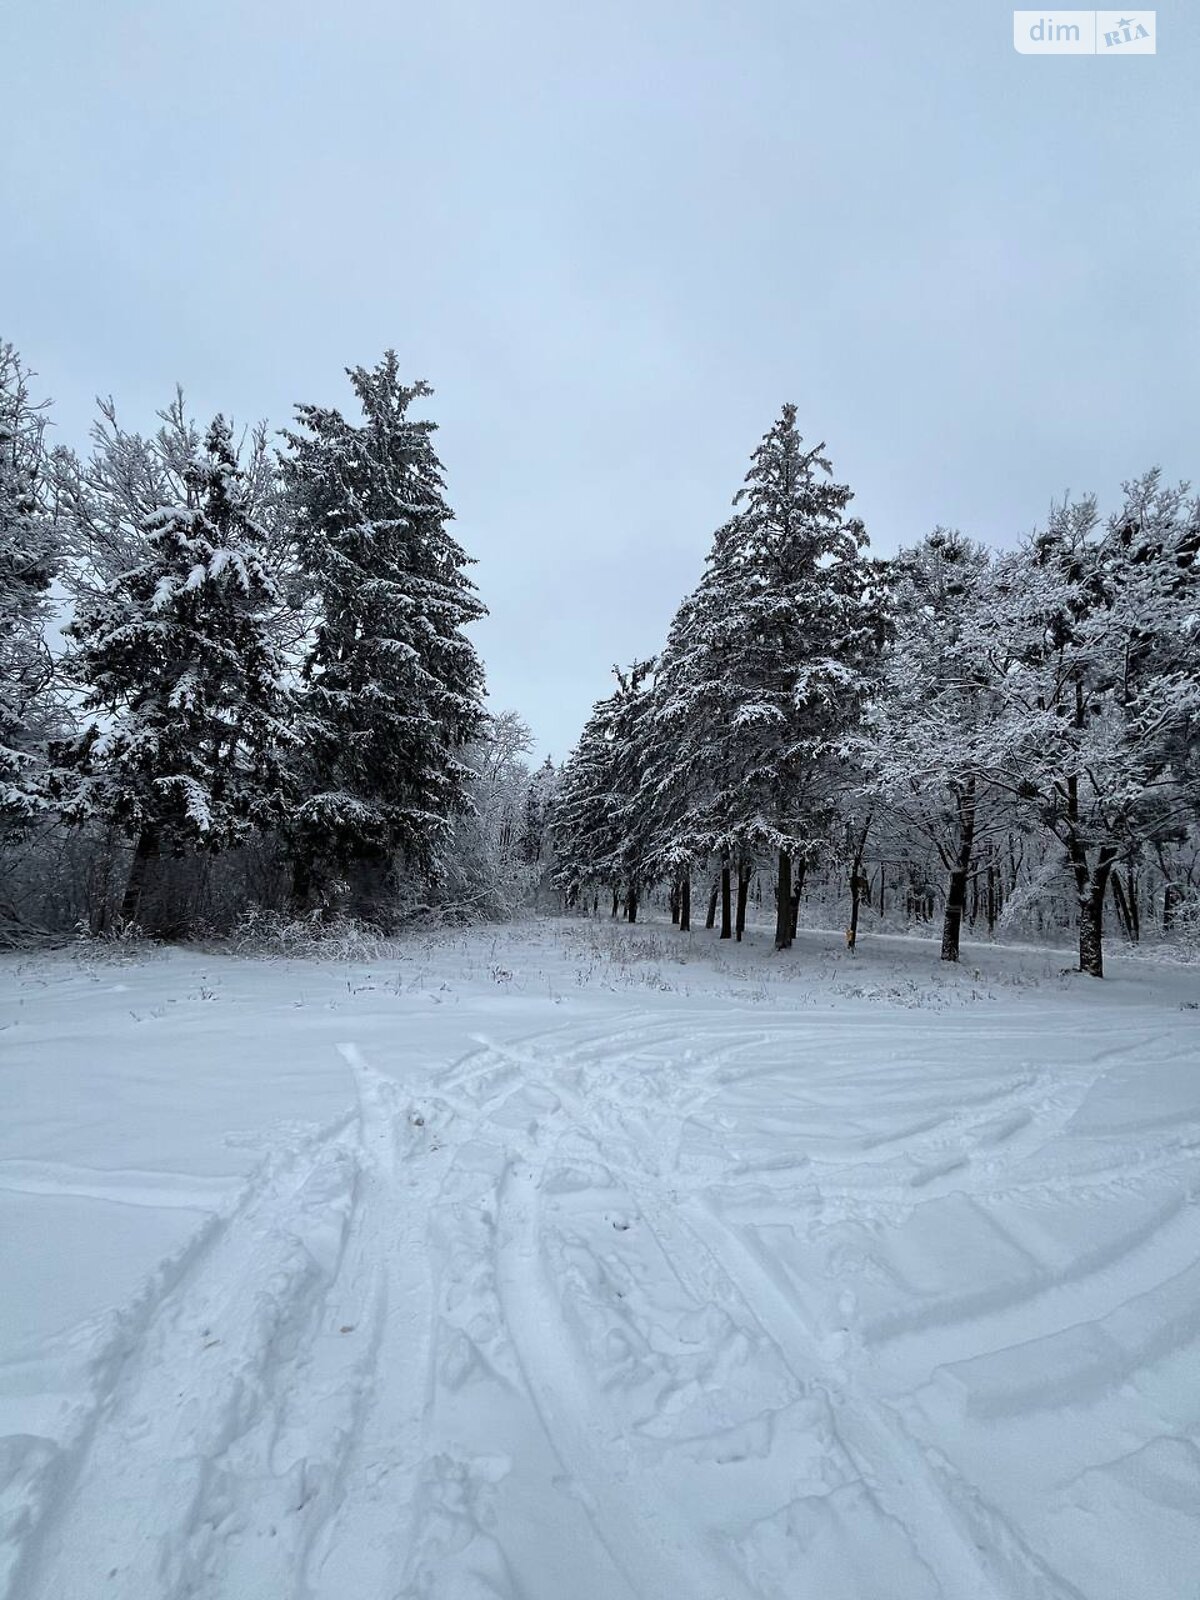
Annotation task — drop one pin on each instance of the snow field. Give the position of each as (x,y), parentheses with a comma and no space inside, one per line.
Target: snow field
(555,1265)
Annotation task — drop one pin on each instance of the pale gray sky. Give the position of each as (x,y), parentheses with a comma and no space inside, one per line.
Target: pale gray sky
(616,238)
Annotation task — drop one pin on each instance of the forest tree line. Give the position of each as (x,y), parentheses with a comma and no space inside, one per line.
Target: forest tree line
(980,727)
(236,678)
(262,693)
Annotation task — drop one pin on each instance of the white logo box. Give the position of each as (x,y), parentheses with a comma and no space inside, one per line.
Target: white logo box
(1085,33)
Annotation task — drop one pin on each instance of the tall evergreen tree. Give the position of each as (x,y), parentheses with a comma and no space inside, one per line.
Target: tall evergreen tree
(677,785)
(180,671)
(106,496)
(584,829)
(597,831)
(29,559)
(631,866)
(393,685)
(538,811)
(778,645)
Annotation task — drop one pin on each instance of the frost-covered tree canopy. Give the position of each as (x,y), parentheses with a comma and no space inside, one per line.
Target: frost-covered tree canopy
(782,634)
(269,656)
(180,674)
(393,686)
(924,742)
(738,747)
(804,696)
(595,824)
(1093,638)
(29,560)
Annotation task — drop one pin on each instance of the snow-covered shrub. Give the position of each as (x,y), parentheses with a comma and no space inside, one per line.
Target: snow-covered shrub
(315,935)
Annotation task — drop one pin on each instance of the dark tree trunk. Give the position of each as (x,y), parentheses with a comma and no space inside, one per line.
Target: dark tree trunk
(1122,905)
(145,856)
(956,894)
(1092,887)
(726,906)
(631,903)
(742,891)
(855,902)
(1091,944)
(710,920)
(783,903)
(1171,895)
(675,902)
(801,868)
(616,901)
(857,883)
(991,894)
(685,904)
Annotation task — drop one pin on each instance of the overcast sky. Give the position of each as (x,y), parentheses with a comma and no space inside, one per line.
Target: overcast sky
(616,238)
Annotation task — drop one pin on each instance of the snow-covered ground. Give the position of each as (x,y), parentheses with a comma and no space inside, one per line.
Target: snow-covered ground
(551,1265)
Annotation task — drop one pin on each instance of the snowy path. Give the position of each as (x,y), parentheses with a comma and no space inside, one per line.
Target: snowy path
(668,1298)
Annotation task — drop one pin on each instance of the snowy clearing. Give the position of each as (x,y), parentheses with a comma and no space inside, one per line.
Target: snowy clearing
(549,1264)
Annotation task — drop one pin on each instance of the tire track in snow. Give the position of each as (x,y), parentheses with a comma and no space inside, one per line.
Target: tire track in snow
(945,1523)
(370,1535)
(282,1481)
(633,1513)
(296,1465)
(366,1522)
(948,1530)
(487,1083)
(181,1383)
(657,1552)
(371,1538)
(1131,1175)
(223,1440)
(1137,1259)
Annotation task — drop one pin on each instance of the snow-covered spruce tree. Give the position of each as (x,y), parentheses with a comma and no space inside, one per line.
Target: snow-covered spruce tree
(584,830)
(29,560)
(183,679)
(598,830)
(106,497)
(1095,645)
(536,847)
(393,686)
(630,867)
(784,634)
(926,730)
(677,784)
